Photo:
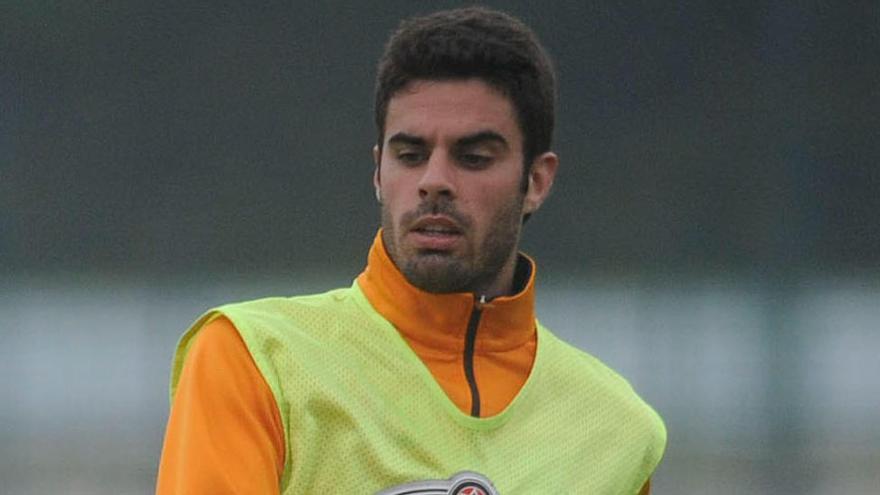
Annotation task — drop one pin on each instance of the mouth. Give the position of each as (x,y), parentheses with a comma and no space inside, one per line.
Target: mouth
(435,233)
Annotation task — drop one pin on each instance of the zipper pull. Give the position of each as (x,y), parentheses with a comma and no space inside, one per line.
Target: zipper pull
(478,304)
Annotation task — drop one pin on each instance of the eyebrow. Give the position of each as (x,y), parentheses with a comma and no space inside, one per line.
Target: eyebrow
(462,142)
(404,138)
(480,138)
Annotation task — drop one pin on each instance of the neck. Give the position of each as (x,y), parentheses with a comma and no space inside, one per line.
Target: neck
(508,316)
(503,283)
(496,339)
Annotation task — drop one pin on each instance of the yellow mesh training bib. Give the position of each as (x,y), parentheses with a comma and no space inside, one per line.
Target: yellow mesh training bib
(363,415)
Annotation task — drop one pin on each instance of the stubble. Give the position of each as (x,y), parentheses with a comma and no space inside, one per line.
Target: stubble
(475,269)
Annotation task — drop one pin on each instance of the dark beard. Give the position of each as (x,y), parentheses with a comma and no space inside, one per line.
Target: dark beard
(441,272)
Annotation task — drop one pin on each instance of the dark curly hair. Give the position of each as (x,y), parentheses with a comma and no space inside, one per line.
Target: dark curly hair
(474,42)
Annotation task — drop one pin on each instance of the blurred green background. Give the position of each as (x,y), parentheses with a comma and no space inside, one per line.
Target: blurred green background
(713,233)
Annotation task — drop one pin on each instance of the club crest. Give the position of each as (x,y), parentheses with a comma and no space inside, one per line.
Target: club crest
(463,483)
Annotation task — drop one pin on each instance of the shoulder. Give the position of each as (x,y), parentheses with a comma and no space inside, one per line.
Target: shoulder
(604,399)
(267,331)
(275,324)
(261,324)
(581,374)
(279,308)
(580,365)
(286,315)
(217,337)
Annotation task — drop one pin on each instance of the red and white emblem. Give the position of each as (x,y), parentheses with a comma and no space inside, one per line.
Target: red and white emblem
(463,483)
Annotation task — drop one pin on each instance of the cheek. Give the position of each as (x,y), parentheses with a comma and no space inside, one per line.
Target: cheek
(499,211)
(393,180)
(394,200)
(489,201)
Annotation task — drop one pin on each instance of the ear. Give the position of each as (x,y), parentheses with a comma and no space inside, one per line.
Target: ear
(541,178)
(377,157)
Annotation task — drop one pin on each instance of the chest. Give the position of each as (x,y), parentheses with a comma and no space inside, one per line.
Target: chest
(362,422)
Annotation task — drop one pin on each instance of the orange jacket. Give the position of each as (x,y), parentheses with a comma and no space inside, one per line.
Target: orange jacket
(225,434)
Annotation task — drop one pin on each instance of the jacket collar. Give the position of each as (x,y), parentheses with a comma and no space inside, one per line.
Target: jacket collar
(440,321)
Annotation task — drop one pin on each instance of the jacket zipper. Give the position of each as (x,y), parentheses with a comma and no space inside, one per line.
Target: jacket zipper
(469,346)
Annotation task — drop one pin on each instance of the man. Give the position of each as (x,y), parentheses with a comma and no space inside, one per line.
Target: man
(430,374)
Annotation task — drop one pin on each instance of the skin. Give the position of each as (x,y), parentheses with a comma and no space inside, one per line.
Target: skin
(449,178)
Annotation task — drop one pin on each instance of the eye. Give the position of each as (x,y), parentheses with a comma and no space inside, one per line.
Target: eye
(475,160)
(410,157)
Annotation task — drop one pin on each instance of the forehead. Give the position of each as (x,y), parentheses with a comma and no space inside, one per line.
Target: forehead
(450,109)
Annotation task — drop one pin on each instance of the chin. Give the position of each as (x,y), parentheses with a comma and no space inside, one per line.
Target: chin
(437,273)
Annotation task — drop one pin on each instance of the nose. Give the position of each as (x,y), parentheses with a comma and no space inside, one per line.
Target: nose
(438,179)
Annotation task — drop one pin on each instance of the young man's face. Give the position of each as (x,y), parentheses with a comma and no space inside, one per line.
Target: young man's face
(449,174)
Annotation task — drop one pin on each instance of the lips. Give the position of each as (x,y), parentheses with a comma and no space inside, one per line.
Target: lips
(435,233)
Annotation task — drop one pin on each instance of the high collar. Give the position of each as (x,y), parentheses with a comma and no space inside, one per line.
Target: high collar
(440,321)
